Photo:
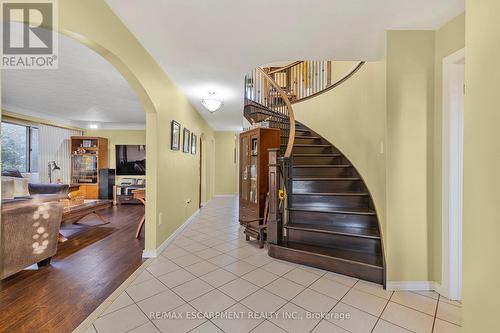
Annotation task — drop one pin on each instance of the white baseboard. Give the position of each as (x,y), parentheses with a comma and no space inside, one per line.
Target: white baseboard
(224,195)
(156,252)
(413,286)
(203,204)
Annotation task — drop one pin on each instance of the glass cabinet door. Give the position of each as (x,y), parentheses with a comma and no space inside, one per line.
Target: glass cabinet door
(84,168)
(245,175)
(253,169)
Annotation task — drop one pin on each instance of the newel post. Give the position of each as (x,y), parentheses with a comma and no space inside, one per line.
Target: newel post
(274,228)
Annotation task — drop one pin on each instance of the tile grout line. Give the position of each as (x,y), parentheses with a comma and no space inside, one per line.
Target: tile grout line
(382,312)
(435,314)
(409,307)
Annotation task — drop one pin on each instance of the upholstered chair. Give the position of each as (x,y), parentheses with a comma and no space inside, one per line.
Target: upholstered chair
(28,230)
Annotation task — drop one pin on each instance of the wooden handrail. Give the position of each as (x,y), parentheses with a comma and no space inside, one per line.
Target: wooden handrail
(336,84)
(277,90)
(286,67)
(291,115)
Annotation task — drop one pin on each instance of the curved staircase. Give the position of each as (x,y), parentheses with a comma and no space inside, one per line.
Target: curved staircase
(328,220)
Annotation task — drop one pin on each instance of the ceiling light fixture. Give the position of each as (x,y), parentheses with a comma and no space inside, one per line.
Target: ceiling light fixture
(93,126)
(211,103)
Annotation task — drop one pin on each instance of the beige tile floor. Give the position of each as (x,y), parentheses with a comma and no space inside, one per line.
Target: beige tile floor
(210,273)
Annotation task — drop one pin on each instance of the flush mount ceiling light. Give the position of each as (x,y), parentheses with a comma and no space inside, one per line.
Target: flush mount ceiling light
(93,126)
(211,103)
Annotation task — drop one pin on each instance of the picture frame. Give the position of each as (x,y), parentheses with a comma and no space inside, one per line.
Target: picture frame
(175,135)
(194,139)
(186,140)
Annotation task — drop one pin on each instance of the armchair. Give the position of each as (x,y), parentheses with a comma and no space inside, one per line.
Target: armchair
(28,234)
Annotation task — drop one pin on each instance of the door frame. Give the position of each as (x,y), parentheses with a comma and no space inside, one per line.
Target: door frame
(200,199)
(452,173)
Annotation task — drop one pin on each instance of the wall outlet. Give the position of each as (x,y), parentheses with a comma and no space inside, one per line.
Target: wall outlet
(160,218)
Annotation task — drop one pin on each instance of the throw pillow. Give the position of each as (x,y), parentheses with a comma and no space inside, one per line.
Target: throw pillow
(11,173)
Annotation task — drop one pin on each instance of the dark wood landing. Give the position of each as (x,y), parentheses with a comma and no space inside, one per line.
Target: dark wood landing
(339,261)
(85,271)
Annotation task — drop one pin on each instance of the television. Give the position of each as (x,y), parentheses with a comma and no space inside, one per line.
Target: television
(130,160)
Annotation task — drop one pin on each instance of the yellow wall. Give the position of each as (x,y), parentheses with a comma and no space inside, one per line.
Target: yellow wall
(410,105)
(118,137)
(172,176)
(481,220)
(448,39)
(352,117)
(225,166)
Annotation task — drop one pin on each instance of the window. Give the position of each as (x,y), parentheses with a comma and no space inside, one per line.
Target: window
(19,147)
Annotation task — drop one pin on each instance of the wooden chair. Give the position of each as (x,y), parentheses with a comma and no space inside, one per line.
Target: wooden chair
(255,229)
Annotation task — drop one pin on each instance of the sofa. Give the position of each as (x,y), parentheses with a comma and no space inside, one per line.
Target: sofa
(15,186)
(29,232)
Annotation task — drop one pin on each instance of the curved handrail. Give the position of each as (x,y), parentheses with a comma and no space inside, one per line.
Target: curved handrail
(336,84)
(272,93)
(291,115)
(295,63)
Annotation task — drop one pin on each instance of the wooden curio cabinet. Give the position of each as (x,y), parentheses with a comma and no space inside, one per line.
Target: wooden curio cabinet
(88,156)
(253,173)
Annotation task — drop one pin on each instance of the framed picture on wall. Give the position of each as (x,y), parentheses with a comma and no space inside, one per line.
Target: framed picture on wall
(193,143)
(175,135)
(185,142)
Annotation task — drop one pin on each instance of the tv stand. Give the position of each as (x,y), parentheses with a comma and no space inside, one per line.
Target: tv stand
(122,194)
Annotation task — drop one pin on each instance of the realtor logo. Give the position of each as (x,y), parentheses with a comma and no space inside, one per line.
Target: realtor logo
(29,40)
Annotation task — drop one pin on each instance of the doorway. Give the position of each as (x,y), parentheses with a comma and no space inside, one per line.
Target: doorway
(452,173)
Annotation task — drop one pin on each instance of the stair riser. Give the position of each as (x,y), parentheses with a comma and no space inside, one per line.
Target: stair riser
(356,270)
(302,132)
(331,201)
(321,160)
(327,186)
(334,241)
(333,219)
(324,172)
(307,141)
(311,150)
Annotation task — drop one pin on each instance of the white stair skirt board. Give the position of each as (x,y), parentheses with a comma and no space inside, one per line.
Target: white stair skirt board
(414,286)
(156,252)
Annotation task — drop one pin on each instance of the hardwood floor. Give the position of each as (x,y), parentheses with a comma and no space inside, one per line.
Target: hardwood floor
(85,271)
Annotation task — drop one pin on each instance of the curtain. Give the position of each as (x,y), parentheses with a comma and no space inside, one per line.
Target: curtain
(54,144)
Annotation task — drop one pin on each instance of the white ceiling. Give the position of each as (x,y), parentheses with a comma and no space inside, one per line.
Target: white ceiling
(86,89)
(209,45)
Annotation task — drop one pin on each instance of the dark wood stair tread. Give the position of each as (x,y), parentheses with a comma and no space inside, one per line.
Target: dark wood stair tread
(333,179)
(347,255)
(333,194)
(328,229)
(302,136)
(318,155)
(308,145)
(333,210)
(322,165)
